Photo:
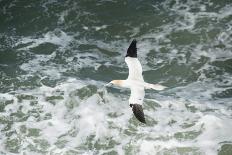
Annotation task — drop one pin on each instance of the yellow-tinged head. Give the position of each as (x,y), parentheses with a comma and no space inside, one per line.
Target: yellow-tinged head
(117,82)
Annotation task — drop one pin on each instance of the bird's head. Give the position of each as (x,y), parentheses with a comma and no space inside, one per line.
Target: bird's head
(115,83)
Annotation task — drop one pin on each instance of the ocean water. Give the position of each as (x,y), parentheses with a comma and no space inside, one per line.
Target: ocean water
(56,56)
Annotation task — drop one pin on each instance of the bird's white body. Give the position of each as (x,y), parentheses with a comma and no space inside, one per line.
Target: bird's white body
(137,90)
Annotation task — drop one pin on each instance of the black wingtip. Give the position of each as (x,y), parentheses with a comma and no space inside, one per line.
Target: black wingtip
(132,50)
(134,41)
(138,112)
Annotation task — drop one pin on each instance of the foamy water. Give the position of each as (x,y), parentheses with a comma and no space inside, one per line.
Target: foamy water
(54,65)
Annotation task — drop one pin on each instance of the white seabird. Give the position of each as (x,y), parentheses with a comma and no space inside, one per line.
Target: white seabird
(135,82)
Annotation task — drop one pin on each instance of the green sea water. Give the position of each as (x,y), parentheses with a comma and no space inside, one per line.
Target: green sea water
(56,56)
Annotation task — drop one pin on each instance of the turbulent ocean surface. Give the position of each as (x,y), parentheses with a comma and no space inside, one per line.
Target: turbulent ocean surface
(57,55)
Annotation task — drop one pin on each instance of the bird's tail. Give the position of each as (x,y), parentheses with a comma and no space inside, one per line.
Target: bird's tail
(155,86)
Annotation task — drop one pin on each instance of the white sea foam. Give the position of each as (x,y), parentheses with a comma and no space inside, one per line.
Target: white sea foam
(97,28)
(56,37)
(91,118)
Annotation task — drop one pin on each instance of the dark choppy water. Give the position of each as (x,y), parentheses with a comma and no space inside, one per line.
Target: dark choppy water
(55,57)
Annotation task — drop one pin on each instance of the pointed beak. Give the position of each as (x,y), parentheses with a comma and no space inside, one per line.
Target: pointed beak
(108,84)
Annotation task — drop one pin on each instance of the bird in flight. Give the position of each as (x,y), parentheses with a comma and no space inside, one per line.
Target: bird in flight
(135,82)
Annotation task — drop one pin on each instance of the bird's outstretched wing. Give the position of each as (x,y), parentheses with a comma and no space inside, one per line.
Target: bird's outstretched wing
(135,68)
(136,101)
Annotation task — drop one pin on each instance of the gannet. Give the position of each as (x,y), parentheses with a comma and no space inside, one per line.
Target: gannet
(135,82)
